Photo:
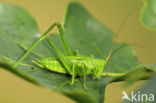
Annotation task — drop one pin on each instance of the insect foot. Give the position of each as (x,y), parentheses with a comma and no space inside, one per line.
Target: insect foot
(70,83)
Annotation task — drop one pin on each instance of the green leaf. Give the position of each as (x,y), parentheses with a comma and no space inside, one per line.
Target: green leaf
(136,74)
(150,86)
(80,96)
(148,89)
(18,30)
(148,16)
(18,73)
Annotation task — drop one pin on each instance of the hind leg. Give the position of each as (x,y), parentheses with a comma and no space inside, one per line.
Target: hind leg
(34,45)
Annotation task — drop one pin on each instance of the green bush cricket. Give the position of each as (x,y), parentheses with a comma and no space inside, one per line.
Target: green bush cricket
(70,63)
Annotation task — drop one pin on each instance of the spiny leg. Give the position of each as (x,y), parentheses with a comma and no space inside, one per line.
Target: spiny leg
(73,74)
(34,45)
(65,44)
(66,63)
(64,60)
(67,49)
(25,49)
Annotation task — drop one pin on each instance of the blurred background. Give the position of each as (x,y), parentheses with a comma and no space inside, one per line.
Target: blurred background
(111,13)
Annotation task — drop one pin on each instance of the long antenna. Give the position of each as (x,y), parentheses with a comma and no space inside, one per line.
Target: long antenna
(124,21)
(110,55)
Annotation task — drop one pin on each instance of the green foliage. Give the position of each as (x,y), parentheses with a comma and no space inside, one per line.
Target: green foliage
(149,87)
(18,73)
(148,16)
(18,30)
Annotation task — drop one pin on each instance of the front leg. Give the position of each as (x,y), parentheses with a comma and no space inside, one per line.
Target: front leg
(84,77)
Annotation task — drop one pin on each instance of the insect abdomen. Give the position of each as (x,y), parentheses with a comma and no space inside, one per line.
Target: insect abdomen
(52,64)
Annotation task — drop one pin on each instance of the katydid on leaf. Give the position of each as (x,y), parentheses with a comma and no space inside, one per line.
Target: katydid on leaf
(71,63)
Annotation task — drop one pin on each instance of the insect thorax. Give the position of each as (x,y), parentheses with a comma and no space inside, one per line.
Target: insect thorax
(90,64)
